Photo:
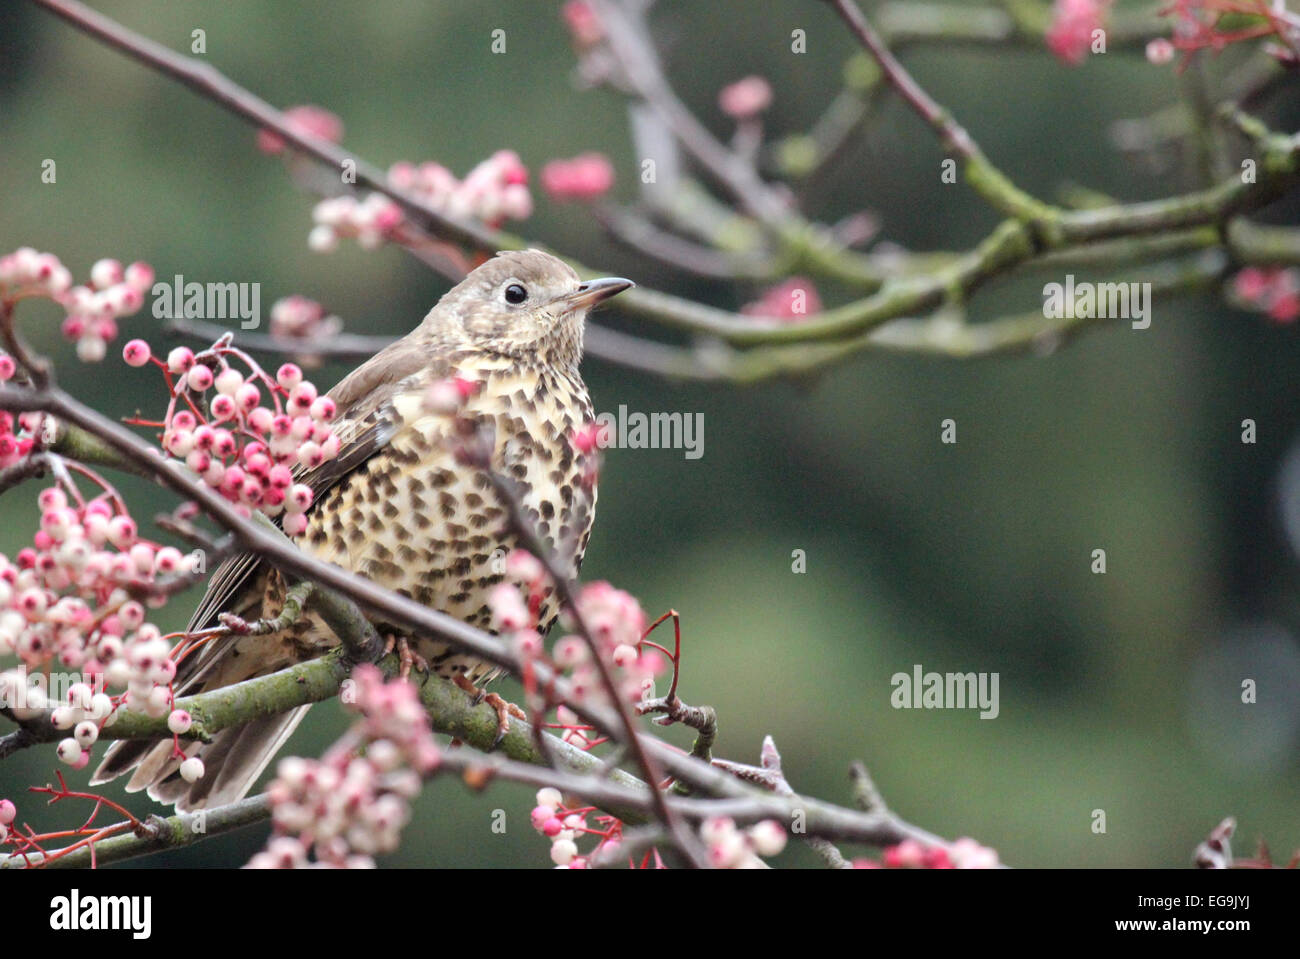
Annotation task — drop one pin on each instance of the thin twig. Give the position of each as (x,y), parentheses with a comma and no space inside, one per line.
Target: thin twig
(478,450)
(213,85)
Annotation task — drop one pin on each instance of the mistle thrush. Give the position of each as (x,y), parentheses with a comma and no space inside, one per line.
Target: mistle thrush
(398,507)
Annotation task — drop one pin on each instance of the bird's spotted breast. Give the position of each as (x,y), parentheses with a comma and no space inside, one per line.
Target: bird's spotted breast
(414,519)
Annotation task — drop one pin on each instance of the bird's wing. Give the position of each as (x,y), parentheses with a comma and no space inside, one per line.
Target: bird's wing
(365,423)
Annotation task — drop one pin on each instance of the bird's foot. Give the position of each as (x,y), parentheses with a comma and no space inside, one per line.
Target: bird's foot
(503,708)
(406,656)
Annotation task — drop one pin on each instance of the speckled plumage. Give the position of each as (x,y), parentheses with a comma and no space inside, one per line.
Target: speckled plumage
(397,507)
(418,522)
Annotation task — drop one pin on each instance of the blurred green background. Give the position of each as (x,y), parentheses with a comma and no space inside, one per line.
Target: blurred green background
(1118,692)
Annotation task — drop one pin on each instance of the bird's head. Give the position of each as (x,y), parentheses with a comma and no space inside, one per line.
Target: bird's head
(522,303)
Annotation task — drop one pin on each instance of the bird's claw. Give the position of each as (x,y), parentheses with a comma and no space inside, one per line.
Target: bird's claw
(504,709)
(406,656)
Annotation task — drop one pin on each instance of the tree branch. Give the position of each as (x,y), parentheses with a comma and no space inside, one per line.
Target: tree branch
(1045,228)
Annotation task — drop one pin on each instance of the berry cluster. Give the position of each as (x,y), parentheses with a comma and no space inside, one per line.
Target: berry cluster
(494,191)
(1070,34)
(93,310)
(587,439)
(179,722)
(564,826)
(307,120)
(238,445)
(299,319)
(614,618)
(1159,52)
(1215,24)
(730,847)
(1273,291)
(370,220)
(8,811)
(351,804)
(67,604)
(584,26)
(14,444)
(792,300)
(618,625)
(583,178)
(745,99)
(910,854)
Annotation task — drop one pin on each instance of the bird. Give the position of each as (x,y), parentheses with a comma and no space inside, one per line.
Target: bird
(399,506)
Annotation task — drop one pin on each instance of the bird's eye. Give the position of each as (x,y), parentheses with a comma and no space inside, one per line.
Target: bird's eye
(516,294)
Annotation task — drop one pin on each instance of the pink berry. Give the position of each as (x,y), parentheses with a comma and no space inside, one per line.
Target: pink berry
(106,273)
(299,498)
(121,531)
(86,733)
(310,455)
(223,408)
(251,491)
(223,441)
(745,98)
(302,428)
(139,276)
(69,751)
(179,443)
(205,437)
(289,375)
(73,327)
(167,560)
(199,379)
(229,381)
(563,852)
(258,464)
(136,353)
(540,815)
(248,396)
(260,419)
(180,359)
(324,409)
(301,399)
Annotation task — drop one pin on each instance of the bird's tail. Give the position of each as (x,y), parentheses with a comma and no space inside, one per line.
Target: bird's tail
(232,761)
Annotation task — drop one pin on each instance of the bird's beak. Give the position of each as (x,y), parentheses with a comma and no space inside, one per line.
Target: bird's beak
(592,292)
